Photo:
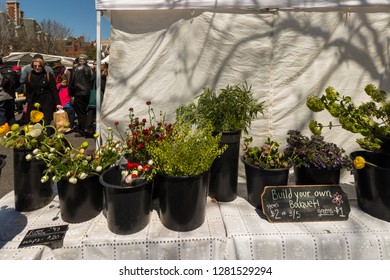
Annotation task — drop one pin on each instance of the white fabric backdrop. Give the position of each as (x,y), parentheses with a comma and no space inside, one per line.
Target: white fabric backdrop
(169,56)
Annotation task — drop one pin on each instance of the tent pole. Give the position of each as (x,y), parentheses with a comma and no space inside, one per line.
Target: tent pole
(98,75)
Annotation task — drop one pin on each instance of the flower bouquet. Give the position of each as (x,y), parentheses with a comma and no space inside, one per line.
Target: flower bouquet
(32,188)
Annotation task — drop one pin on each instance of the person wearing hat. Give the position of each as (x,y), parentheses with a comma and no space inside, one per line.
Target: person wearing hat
(80,85)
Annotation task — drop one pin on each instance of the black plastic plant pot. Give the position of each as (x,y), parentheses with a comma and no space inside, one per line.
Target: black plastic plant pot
(82,201)
(182,201)
(385,145)
(373,184)
(2,164)
(128,208)
(224,170)
(315,176)
(258,178)
(30,193)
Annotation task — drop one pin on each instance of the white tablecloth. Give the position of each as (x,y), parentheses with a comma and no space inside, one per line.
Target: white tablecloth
(251,236)
(232,230)
(93,240)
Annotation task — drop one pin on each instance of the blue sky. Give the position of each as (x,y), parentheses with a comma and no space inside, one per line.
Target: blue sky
(78,15)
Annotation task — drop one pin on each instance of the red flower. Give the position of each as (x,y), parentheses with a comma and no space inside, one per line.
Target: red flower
(116,122)
(148,102)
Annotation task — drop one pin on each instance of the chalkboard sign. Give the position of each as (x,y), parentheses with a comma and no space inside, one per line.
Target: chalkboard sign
(50,236)
(304,203)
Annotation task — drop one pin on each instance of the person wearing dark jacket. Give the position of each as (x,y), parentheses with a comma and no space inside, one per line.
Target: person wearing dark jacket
(41,88)
(80,85)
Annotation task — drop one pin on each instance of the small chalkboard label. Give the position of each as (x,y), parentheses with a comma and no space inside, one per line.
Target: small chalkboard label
(304,203)
(49,236)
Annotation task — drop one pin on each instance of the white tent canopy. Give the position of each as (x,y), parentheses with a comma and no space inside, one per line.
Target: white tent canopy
(228,4)
(168,51)
(25,58)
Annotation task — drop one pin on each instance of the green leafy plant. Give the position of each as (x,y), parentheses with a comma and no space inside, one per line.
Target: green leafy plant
(369,119)
(229,109)
(187,151)
(267,156)
(315,152)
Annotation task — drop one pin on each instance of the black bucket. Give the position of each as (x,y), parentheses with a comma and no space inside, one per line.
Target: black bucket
(182,201)
(315,176)
(82,201)
(224,170)
(257,178)
(128,208)
(373,184)
(2,164)
(30,193)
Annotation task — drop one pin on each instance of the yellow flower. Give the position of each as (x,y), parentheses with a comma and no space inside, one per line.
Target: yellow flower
(37,105)
(36,116)
(4,129)
(359,162)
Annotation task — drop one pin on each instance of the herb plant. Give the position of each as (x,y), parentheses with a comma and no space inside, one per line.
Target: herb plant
(230,109)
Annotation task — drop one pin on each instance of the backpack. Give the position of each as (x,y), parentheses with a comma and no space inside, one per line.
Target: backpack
(47,77)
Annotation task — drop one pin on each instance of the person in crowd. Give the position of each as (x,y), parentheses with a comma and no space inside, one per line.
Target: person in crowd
(80,85)
(27,70)
(91,112)
(7,116)
(14,86)
(66,100)
(41,88)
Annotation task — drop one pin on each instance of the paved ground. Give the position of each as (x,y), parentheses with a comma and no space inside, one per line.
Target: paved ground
(7,174)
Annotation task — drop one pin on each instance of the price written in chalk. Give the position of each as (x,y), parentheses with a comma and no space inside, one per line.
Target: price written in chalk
(305,203)
(44,236)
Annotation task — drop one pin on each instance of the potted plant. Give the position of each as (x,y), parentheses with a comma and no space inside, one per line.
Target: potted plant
(30,192)
(370,119)
(76,173)
(372,180)
(230,111)
(316,161)
(128,187)
(265,165)
(182,162)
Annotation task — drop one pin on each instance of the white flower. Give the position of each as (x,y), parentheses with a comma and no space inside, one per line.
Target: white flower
(44,179)
(134,172)
(150,162)
(85,162)
(52,150)
(36,151)
(128,179)
(83,176)
(29,157)
(38,156)
(55,178)
(124,173)
(72,180)
(139,168)
(68,174)
(99,168)
(51,156)
(35,130)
